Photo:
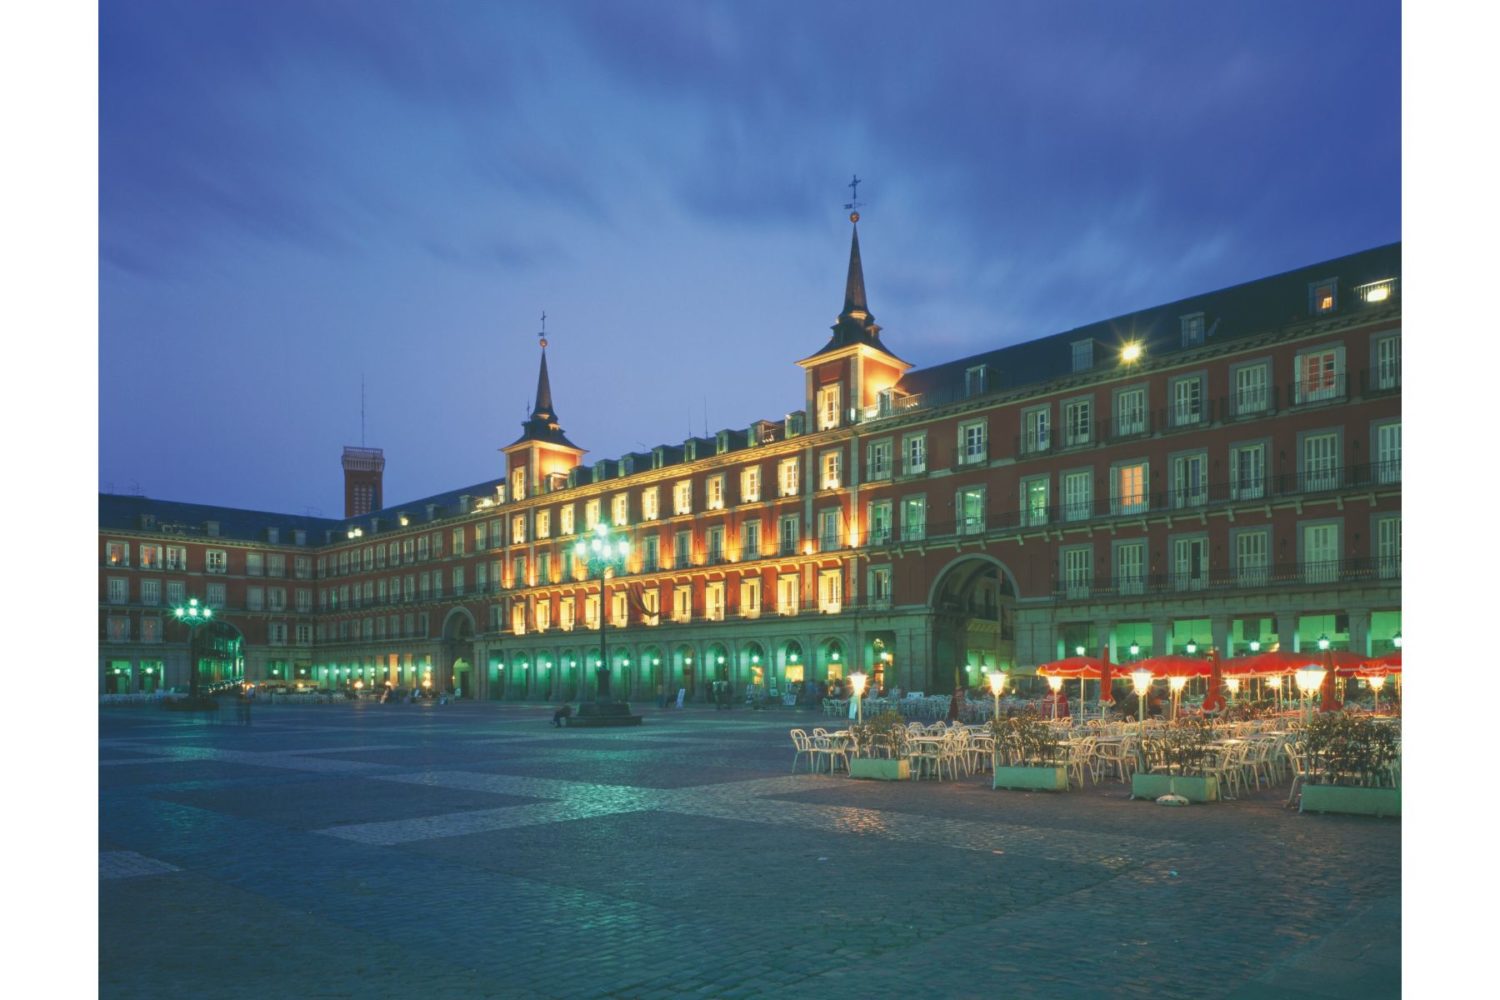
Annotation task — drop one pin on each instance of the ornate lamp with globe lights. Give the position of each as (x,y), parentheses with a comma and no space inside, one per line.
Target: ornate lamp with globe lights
(194,615)
(1141,681)
(1055,683)
(857,681)
(606,555)
(997,687)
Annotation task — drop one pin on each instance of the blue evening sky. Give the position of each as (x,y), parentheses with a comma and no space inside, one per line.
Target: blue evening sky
(295,196)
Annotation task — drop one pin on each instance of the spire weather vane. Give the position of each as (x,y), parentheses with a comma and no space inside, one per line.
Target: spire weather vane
(854,206)
(542,337)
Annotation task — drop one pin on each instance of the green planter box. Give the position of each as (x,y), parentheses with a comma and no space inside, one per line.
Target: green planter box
(1153,786)
(879,769)
(1355,801)
(1046,779)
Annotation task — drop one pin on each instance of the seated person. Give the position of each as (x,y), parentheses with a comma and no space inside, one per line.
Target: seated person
(565,712)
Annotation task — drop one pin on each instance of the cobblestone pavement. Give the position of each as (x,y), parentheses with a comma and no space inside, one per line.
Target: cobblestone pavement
(364,850)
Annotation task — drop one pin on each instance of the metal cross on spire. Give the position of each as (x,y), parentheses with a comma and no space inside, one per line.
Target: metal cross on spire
(543,335)
(854,205)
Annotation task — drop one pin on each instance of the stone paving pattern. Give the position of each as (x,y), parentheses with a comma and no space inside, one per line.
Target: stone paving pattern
(471,850)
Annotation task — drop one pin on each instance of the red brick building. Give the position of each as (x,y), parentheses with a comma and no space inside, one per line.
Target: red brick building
(1220,469)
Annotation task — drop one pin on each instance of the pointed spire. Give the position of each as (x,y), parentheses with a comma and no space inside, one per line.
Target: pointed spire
(543,408)
(854,287)
(543,425)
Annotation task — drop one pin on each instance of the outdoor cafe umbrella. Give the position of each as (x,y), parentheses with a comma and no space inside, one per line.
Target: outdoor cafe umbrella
(1072,668)
(1172,665)
(1278,661)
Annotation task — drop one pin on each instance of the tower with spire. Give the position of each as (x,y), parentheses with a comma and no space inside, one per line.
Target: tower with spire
(849,373)
(542,452)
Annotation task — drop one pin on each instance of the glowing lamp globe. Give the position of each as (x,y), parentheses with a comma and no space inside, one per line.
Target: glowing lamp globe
(1309,679)
(1055,683)
(1376,682)
(857,680)
(1233,684)
(997,682)
(1176,684)
(1141,680)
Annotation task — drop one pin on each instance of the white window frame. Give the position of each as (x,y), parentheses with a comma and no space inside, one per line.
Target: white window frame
(914,454)
(1036,430)
(1318,374)
(750,484)
(831,469)
(829,402)
(1035,514)
(914,529)
(969,510)
(788,477)
(1076,566)
(1131,411)
(973,442)
(1077,495)
(879,518)
(1132,502)
(682,497)
(1247,471)
(1130,573)
(1078,422)
(650,503)
(878,460)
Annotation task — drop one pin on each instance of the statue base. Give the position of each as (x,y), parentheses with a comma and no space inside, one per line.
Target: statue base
(596,714)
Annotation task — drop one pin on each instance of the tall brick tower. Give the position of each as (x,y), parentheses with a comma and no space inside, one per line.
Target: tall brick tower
(363,469)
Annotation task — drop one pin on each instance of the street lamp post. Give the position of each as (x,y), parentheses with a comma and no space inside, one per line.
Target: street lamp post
(193,615)
(605,555)
(857,681)
(997,685)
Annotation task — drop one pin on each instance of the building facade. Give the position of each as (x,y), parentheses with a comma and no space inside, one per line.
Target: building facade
(1218,470)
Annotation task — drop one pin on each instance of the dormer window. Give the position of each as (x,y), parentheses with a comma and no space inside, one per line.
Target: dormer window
(976,380)
(1323,296)
(723,442)
(1192,329)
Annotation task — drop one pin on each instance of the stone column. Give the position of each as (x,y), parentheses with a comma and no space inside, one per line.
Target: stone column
(1219,635)
(1359,630)
(1160,629)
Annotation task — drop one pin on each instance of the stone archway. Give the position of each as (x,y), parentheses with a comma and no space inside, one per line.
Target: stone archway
(455,668)
(973,622)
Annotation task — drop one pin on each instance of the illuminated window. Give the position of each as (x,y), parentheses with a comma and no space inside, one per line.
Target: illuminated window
(150,556)
(215,561)
(969,504)
(682,497)
(713,601)
(913,519)
(650,504)
(117,553)
(518,529)
(620,510)
(1130,488)
(830,591)
(1320,374)
(828,407)
(750,484)
(750,597)
(1323,296)
(833,464)
(787,593)
(1035,497)
(590,515)
(682,603)
(715,487)
(788,477)
(177,558)
(565,520)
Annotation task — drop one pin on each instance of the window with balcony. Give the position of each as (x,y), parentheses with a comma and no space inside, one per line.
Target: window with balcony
(176,558)
(1035,500)
(1130,484)
(878,586)
(682,602)
(276,597)
(1252,557)
(969,503)
(458,541)
(1187,400)
(1077,571)
(1078,423)
(788,593)
(118,629)
(1190,480)
(619,609)
(973,442)
(518,617)
(1388,362)
(518,576)
(682,549)
(1077,495)
(830,530)
(213,595)
(913,519)
(714,540)
(176,593)
(150,591)
(1388,546)
(215,561)
(564,520)
(788,477)
(1130,412)
(424,546)
(117,554)
(830,591)
(713,600)
(619,513)
(304,600)
(750,484)
(880,522)
(878,460)
(650,503)
(832,470)
(750,597)
(565,614)
(1247,472)
(1388,453)
(1190,563)
(150,556)
(1130,568)
(119,590)
(1036,430)
(788,530)
(682,497)
(1252,389)
(1320,461)
(590,515)
(750,539)
(828,407)
(651,557)
(1320,552)
(914,454)
(1320,375)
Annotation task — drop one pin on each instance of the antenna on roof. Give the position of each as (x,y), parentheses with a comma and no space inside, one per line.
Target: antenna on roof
(361,409)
